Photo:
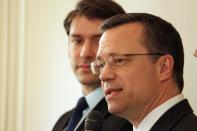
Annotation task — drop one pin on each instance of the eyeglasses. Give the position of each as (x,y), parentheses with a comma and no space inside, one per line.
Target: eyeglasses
(115,60)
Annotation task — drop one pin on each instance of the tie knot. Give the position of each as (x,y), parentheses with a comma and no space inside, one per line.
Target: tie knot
(81,105)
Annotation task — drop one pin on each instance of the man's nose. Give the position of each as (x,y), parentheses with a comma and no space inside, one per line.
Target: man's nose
(106,74)
(87,50)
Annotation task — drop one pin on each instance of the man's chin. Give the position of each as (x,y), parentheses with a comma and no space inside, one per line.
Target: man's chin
(114,109)
(89,82)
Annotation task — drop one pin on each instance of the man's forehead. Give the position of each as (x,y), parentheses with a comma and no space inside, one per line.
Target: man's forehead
(122,40)
(106,50)
(82,26)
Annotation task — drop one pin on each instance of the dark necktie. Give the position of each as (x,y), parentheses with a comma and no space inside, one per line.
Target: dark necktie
(77,114)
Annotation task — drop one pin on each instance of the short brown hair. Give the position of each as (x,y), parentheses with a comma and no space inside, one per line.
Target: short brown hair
(100,9)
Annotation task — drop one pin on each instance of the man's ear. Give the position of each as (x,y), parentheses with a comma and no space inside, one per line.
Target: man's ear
(166,67)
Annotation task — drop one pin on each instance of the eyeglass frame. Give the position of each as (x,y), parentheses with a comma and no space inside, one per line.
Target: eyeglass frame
(97,71)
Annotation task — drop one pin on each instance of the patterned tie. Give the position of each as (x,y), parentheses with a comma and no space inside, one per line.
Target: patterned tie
(77,114)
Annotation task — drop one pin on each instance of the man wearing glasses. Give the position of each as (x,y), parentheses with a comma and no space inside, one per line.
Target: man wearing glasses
(140,64)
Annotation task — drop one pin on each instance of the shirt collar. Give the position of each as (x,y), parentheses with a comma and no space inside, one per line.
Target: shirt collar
(155,114)
(94,97)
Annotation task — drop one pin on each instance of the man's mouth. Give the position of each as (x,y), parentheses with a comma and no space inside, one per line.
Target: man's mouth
(84,65)
(112,92)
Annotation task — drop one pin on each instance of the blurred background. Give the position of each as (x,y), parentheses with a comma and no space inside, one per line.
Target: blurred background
(36,81)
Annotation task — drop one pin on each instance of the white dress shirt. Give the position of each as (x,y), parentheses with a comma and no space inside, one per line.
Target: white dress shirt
(150,119)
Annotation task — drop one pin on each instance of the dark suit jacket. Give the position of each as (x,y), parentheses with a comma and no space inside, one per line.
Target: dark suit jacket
(111,122)
(179,118)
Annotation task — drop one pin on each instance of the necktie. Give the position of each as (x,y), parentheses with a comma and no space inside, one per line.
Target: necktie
(77,114)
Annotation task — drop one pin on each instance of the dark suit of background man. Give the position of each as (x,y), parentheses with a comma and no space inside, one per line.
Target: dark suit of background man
(140,61)
(82,27)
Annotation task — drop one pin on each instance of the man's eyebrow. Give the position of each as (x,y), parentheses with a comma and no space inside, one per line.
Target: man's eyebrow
(111,54)
(97,35)
(93,36)
(75,35)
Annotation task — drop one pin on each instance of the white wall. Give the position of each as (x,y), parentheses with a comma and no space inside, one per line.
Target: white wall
(51,88)
(36,81)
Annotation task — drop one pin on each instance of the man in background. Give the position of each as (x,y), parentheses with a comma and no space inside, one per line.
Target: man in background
(82,27)
(140,63)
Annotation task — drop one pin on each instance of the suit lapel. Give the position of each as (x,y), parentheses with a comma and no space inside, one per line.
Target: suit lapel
(62,122)
(102,107)
(169,119)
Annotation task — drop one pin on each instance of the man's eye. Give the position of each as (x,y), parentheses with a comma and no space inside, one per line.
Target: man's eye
(97,67)
(119,61)
(101,64)
(76,41)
